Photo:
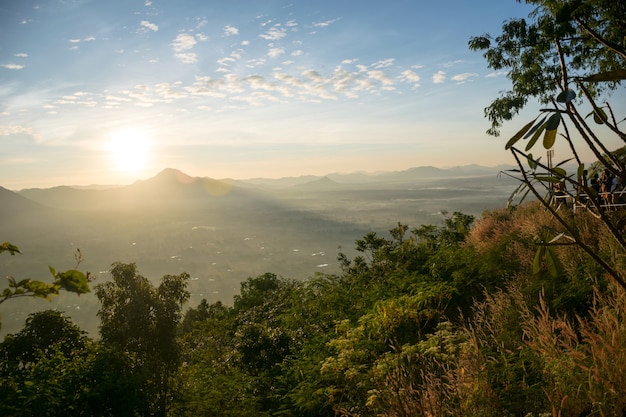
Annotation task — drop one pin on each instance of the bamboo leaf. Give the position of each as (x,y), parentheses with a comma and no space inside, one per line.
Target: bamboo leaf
(599,116)
(559,172)
(553,121)
(615,75)
(535,137)
(553,180)
(566,96)
(519,135)
(549,138)
(537,126)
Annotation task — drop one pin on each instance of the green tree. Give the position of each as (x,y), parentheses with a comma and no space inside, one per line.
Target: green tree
(565,56)
(51,368)
(141,321)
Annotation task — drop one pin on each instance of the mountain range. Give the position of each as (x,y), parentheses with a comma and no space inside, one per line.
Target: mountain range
(223,231)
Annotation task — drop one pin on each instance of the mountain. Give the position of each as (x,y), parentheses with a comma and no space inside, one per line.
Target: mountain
(170,186)
(321,184)
(12,204)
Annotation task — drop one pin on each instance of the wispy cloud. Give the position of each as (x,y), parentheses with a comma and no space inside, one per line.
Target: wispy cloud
(182,44)
(20,55)
(13,66)
(383,63)
(230,30)
(439,77)
(145,25)
(464,76)
(325,23)
(275,33)
(409,76)
(275,52)
(496,74)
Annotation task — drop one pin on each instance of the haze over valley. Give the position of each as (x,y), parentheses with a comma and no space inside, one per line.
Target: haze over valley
(222,231)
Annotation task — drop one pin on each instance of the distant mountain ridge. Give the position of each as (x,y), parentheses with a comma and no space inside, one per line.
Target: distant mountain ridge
(172,185)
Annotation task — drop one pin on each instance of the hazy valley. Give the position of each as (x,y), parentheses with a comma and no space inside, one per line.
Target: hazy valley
(221,231)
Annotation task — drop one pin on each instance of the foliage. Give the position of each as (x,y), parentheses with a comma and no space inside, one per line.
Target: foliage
(51,368)
(565,56)
(71,280)
(140,321)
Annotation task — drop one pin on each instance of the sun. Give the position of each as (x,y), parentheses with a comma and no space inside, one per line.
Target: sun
(129,149)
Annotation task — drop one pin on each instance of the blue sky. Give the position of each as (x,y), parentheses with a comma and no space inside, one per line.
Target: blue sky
(105,92)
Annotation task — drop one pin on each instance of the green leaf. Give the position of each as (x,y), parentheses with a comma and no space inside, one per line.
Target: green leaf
(552,262)
(549,138)
(553,121)
(580,171)
(535,137)
(553,180)
(615,75)
(74,281)
(8,247)
(559,172)
(531,161)
(566,96)
(537,126)
(519,135)
(52,271)
(600,117)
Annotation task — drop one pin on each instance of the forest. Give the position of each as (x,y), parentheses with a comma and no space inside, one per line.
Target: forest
(517,312)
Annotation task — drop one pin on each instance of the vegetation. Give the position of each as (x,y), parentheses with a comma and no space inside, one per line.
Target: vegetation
(475,317)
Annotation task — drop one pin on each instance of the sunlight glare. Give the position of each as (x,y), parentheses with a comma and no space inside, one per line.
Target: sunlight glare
(129,149)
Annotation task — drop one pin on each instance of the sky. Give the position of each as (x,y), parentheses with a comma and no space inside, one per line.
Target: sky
(108,92)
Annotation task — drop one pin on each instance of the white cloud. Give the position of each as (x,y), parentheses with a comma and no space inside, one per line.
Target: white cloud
(275,52)
(245,43)
(21,55)
(13,66)
(297,52)
(202,37)
(275,33)
(409,76)
(439,77)
(452,63)
(187,58)
(324,24)
(381,77)
(383,63)
(183,42)
(496,74)
(14,130)
(230,30)
(464,76)
(147,25)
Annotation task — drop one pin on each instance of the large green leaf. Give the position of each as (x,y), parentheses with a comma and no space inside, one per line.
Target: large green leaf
(535,137)
(553,121)
(600,116)
(566,96)
(559,172)
(519,135)
(549,138)
(537,126)
(615,75)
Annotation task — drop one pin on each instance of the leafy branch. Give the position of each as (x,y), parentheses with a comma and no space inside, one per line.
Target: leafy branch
(71,280)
